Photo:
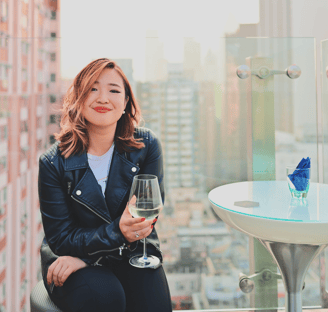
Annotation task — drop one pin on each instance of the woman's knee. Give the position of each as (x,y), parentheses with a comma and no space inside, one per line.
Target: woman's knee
(90,289)
(110,299)
(86,299)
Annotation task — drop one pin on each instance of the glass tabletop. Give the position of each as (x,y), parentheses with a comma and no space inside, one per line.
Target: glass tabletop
(273,200)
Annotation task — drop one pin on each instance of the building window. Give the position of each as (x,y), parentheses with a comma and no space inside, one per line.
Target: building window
(53,35)
(53,15)
(53,119)
(52,98)
(179,286)
(4,10)
(24,126)
(6,132)
(53,57)
(24,75)
(24,47)
(40,76)
(24,21)
(53,77)
(52,139)
(5,194)
(3,163)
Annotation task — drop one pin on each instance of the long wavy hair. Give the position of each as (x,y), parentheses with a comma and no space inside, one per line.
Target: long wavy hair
(73,137)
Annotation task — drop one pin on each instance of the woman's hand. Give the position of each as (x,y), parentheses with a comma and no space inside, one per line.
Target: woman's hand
(62,268)
(130,226)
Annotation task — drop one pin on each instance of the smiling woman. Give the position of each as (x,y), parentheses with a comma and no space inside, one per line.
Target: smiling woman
(107,86)
(107,98)
(84,185)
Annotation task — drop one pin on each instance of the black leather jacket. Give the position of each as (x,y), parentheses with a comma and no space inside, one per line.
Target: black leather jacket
(77,219)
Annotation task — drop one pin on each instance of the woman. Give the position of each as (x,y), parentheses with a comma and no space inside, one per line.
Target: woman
(84,185)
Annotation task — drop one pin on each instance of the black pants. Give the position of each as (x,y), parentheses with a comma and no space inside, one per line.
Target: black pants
(117,288)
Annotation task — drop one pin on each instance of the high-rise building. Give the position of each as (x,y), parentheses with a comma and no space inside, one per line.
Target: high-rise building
(170,110)
(155,65)
(192,68)
(29,98)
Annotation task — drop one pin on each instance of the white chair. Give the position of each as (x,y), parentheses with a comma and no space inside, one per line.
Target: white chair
(40,300)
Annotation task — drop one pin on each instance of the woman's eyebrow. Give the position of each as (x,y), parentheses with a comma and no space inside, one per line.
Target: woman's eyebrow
(110,84)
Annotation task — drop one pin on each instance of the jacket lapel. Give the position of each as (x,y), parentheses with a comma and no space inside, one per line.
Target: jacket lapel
(87,191)
(119,182)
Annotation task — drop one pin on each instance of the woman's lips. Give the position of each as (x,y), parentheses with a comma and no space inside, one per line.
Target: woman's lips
(102,109)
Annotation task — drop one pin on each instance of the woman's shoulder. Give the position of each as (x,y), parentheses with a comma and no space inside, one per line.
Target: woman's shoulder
(145,133)
(52,153)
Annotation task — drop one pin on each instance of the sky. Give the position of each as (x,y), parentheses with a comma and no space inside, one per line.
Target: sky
(117,29)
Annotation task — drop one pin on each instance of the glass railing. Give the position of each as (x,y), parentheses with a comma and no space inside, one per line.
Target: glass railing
(253,113)
(324,142)
(215,121)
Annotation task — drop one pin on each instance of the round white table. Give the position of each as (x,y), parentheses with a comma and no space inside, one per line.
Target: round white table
(294,231)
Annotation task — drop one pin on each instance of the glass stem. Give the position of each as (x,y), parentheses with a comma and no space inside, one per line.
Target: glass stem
(144,250)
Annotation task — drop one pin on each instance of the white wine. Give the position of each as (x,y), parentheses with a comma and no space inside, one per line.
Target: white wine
(141,211)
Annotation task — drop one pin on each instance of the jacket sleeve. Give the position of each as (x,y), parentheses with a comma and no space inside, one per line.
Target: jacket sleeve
(62,232)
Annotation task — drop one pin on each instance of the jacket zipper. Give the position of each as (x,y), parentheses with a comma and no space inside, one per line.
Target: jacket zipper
(91,210)
(120,248)
(97,262)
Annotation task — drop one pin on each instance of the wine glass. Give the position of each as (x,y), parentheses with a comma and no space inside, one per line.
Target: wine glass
(145,201)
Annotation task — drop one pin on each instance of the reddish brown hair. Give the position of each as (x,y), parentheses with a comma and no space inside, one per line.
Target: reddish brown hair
(73,136)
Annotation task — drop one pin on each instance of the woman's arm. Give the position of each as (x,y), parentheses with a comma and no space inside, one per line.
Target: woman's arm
(62,232)
(153,163)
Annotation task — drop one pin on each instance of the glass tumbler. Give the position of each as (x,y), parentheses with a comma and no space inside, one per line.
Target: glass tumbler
(300,187)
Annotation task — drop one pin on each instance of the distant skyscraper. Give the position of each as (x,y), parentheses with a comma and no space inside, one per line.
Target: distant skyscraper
(29,96)
(170,110)
(155,62)
(192,68)
(211,67)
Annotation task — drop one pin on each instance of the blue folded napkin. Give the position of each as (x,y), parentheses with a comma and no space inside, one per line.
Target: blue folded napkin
(300,178)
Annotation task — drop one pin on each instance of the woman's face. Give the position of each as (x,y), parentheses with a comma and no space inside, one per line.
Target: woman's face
(106,102)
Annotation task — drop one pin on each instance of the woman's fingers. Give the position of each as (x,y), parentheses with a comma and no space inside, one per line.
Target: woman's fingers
(144,232)
(129,226)
(62,268)
(56,271)
(50,272)
(65,275)
(141,225)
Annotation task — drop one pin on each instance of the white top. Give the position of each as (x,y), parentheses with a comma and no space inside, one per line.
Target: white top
(100,167)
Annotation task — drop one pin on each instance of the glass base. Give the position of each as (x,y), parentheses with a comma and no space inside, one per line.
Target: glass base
(140,262)
(295,193)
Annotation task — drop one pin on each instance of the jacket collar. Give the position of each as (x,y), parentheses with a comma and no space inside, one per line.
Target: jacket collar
(89,192)
(76,162)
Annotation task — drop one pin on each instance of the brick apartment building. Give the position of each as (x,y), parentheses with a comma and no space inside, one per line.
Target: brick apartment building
(29,95)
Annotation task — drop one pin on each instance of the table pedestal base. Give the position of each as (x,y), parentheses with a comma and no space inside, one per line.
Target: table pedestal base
(293,261)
